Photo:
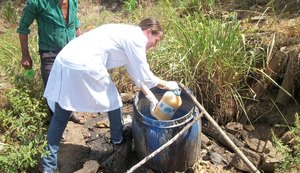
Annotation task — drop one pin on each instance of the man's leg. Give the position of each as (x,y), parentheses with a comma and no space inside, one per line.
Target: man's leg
(115,125)
(46,65)
(45,68)
(56,128)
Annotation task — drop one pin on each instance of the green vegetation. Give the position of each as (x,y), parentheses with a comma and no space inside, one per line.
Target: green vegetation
(291,150)
(22,130)
(206,52)
(208,55)
(9,11)
(130,5)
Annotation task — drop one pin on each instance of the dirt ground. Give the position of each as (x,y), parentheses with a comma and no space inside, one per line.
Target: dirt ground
(89,143)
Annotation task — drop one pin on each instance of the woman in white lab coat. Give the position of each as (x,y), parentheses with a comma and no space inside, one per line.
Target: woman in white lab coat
(79,80)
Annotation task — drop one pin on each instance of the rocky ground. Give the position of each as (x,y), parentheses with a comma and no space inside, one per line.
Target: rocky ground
(87,149)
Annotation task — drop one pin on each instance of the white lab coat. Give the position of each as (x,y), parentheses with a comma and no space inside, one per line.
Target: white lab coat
(79,80)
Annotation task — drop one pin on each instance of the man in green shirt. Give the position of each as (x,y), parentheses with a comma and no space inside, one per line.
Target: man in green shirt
(57,25)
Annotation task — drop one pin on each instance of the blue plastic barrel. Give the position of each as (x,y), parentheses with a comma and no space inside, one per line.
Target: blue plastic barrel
(149,134)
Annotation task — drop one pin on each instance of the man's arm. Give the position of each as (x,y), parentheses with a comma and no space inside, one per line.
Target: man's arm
(26,60)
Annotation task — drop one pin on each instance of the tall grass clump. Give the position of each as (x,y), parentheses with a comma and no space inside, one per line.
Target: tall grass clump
(209,56)
(22,127)
(9,12)
(195,5)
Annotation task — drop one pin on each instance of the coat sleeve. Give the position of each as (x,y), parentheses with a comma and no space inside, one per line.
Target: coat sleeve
(138,67)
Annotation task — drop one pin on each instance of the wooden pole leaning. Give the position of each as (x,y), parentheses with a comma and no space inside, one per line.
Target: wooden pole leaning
(219,129)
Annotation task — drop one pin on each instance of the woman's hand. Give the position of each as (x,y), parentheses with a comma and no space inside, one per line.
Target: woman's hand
(153,104)
(151,97)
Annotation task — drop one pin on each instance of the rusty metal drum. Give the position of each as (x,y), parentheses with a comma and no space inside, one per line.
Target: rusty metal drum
(150,134)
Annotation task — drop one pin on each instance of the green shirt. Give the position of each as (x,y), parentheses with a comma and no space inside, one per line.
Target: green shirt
(53,32)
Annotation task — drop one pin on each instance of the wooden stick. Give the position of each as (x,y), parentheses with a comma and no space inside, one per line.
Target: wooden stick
(223,134)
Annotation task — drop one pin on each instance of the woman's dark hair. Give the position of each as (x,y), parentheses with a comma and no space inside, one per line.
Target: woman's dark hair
(150,23)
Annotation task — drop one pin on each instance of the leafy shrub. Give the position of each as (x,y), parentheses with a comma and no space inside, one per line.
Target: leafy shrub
(290,151)
(23,131)
(22,128)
